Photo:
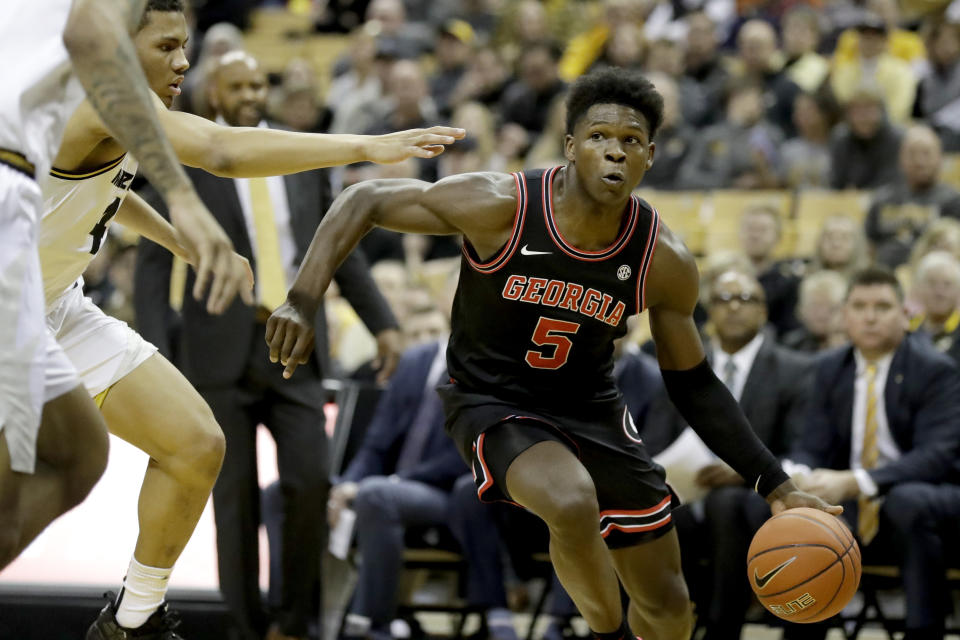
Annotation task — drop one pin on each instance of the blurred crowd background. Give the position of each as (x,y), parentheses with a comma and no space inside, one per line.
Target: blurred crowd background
(803,141)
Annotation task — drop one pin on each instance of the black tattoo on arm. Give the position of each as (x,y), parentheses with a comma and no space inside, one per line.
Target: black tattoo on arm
(106,64)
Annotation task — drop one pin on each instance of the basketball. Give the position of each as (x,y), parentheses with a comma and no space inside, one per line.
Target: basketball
(804,565)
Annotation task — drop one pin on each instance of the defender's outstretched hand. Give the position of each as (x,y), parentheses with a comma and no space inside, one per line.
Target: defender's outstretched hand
(290,336)
(413,143)
(787,496)
(211,253)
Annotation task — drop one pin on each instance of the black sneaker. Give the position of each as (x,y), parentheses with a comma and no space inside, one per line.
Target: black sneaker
(159,626)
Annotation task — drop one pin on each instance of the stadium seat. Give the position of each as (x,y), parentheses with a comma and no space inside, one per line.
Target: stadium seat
(815,206)
(681,210)
(724,209)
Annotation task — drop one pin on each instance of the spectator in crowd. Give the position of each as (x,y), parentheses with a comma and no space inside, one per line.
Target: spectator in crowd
(484,81)
(296,103)
(522,24)
(943,234)
(759,58)
(364,108)
(226,359)
(527,101)
(805,158)
(741,151)
(938,95)
(452,51)
(219,39)
(820,313)
(882,438)
(760,231)
(771,384)
(411,39)
(703,62)
(902,43)
(359,84)
(801,40)
(841,246)
(401,476)
(585,47)
(624,48)
(937,289)
(674,137)
(902,211)
(665,55)
(864,148)
(876,69)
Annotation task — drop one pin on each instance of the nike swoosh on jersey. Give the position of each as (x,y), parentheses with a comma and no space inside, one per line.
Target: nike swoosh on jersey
(531,252)
(761,581)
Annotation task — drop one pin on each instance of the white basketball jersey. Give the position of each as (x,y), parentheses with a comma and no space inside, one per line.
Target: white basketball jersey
(78,208)
(40,91)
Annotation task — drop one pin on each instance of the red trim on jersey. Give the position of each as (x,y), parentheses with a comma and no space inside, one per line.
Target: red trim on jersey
(499,260)
(487,476)
(643,512)
(648,252)
(635,528)
(569,249)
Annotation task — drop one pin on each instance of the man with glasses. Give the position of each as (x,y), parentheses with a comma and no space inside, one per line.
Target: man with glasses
(771,384)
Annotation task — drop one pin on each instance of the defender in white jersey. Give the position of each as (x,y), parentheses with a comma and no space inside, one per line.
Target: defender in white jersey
(144,399)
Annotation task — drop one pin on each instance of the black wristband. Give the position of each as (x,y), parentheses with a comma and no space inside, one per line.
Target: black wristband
(707,406)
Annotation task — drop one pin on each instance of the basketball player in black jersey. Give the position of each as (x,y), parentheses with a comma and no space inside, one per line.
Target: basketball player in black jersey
(553,263)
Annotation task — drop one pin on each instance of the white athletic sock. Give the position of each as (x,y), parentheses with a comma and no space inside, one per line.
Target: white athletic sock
(143,591)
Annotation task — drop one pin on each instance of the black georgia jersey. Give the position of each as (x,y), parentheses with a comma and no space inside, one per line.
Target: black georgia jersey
(535,323)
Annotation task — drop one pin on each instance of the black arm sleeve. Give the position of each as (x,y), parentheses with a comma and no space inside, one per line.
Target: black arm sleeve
(707,406)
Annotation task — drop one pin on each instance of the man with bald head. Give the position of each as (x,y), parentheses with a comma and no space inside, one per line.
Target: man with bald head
(760,58)
(902,211)
(268,219)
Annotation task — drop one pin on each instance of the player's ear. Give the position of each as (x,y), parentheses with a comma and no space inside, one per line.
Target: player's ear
(568,148)
(651,148)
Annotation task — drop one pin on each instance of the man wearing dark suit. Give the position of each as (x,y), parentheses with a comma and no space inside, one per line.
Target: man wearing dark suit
(271,222)
(883,434)
(401,476)
(772,385)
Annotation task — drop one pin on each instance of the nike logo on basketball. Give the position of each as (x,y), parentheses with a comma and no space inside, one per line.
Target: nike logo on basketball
(761,581)
(531,252)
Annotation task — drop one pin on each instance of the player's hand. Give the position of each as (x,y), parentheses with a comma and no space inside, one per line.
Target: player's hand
(718,474)
(831,485)
(211,252)
(290,336)
(389,349)
(341,496)
(413,143)
(787,496)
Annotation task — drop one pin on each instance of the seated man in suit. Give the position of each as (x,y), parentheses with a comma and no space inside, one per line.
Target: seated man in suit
(401,476)
(882,434)
(771,384)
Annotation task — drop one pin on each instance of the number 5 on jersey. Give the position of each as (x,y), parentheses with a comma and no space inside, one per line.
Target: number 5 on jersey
(550,333)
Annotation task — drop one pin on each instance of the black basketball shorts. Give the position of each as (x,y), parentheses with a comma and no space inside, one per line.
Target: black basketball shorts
(635,501)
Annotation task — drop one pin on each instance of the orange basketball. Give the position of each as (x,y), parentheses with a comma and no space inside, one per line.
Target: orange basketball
(804,565)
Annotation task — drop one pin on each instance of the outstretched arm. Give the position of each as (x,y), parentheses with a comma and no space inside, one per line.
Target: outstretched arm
(698,394)
(248,152)
(97,37)
(482,206)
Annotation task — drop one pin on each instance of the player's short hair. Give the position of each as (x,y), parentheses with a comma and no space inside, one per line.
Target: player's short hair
(160,5)
(615,86)
(872,276)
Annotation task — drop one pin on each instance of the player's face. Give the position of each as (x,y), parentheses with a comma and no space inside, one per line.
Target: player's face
(874,318)
(161,50)
(611,150)
(240,94)
(738,307)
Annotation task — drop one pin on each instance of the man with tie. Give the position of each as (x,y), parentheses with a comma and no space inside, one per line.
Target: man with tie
(882,437)
(772,386)
(401,476)
(270,221)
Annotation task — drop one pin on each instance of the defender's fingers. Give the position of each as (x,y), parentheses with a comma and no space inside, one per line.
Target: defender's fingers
(427,152)
(276,341)
(204,260)
(453,132)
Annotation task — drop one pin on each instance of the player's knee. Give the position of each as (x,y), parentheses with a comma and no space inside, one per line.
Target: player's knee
(9,535)
(668,601)
(573,511)
(89,459)
(375,500)
(200,455)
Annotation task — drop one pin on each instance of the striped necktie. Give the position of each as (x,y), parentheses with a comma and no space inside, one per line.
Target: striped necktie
(869,508)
